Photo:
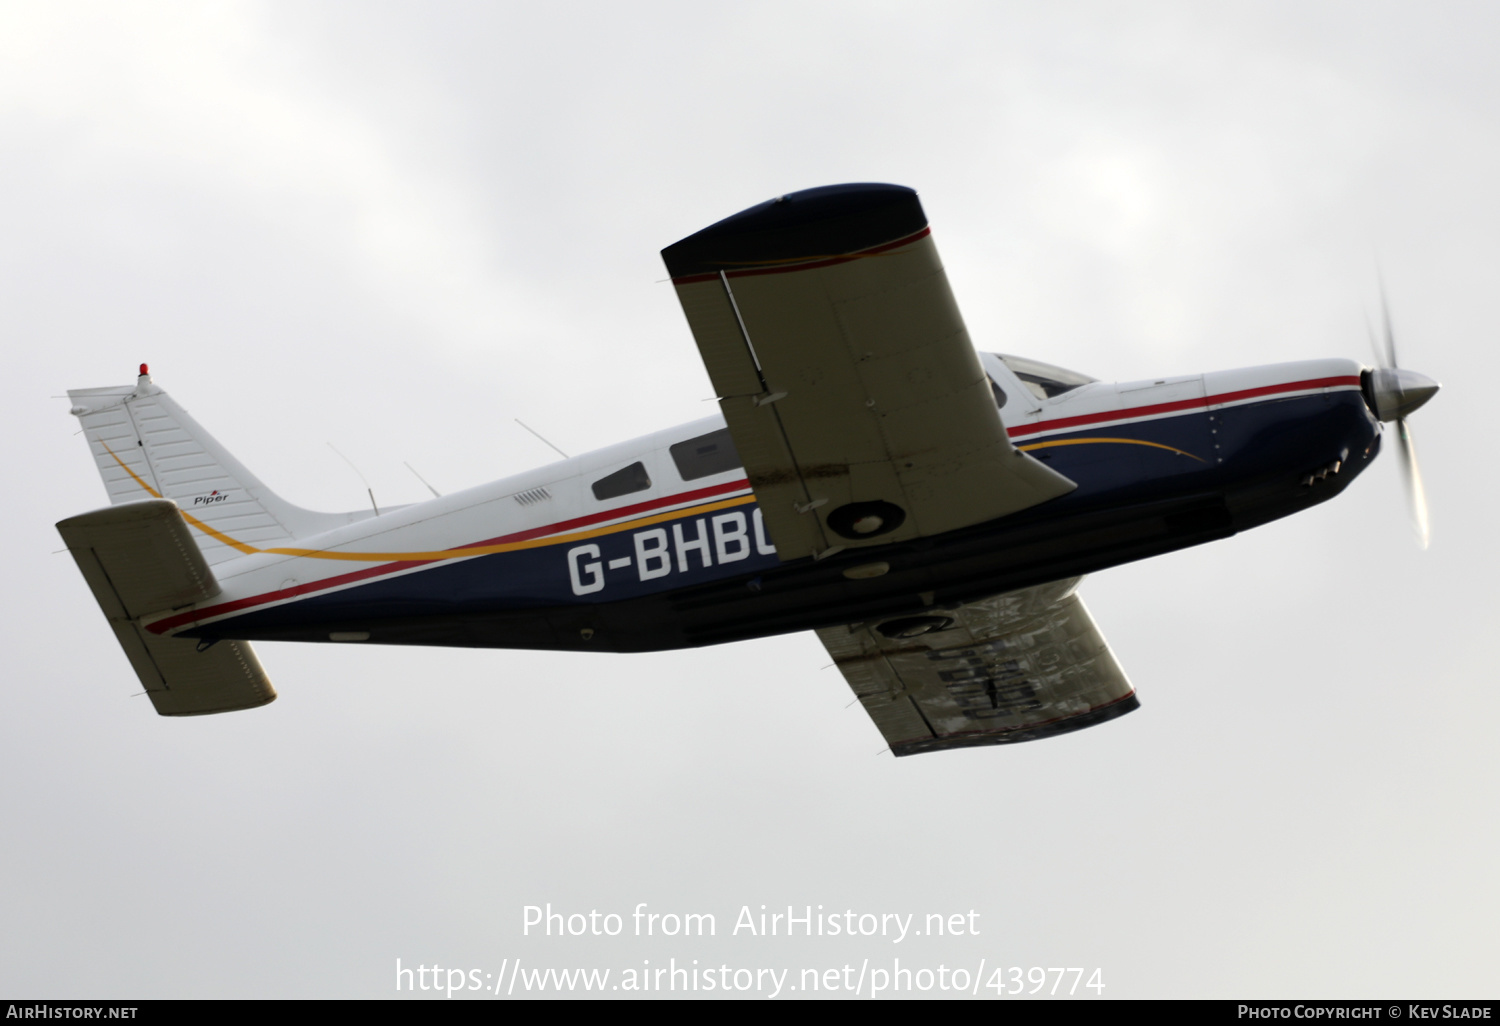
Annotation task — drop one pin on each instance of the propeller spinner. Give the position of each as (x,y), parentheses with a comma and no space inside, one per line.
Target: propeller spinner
(1394,394)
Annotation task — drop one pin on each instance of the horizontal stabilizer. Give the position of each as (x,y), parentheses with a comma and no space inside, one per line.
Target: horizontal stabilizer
(139,559)
(183,681)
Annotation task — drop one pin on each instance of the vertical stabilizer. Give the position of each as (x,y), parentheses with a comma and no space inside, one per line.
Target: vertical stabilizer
(145,446)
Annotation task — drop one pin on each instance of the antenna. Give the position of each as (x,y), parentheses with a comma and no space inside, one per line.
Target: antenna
(368,489)
(435,493)
(544,441)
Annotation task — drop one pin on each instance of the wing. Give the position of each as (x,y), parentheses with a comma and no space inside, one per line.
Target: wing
(1016,667)
(846,376)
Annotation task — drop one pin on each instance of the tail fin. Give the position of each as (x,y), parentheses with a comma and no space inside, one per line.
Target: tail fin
(147,446)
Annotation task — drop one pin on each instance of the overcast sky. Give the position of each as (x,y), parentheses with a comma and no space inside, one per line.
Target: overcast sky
(397,227)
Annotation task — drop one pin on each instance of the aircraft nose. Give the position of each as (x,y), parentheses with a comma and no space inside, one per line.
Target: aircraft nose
(1396,392)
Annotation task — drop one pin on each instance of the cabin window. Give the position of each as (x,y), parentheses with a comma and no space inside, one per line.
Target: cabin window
(622,482)
(708,454)
(1044,379)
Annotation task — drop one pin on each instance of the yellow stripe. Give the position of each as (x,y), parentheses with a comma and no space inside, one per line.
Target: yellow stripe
(476,550)
(530,543)
(143,484)
(1114,441)
(200,525)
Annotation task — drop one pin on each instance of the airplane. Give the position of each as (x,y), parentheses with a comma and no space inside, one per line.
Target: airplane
(927,509)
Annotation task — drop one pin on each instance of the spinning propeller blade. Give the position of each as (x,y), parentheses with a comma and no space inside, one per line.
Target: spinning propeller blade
(1394,394)
(1417,495)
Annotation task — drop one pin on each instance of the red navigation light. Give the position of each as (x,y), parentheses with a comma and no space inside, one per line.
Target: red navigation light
(144,371)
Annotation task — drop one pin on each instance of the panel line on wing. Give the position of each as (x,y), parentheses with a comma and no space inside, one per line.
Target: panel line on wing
(744,334)
(765,399)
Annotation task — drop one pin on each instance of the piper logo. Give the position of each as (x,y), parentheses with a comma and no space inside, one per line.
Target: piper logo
(209,499)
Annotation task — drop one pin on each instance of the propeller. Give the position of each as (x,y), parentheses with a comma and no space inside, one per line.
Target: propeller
(1394,394)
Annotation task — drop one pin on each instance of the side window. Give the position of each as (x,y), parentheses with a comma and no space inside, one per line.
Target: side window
(712,453)
(622,482)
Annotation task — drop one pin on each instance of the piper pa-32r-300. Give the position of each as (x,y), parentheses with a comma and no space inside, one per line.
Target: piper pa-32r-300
(927,509)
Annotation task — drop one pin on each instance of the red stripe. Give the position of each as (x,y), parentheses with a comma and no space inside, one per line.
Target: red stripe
(1184,404)
(749,272)
(162,626)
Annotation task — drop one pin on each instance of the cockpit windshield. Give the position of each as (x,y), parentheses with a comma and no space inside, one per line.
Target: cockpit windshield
(1044,380)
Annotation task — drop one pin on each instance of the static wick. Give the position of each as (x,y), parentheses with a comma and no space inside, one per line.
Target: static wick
(434,491)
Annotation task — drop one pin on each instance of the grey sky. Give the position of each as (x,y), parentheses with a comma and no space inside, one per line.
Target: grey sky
(396,227)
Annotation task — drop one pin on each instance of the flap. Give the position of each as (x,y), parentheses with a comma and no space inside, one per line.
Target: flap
(845,373)
(1017,667)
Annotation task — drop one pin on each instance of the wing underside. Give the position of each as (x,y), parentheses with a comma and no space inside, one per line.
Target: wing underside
(1016,667)
(845,373)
